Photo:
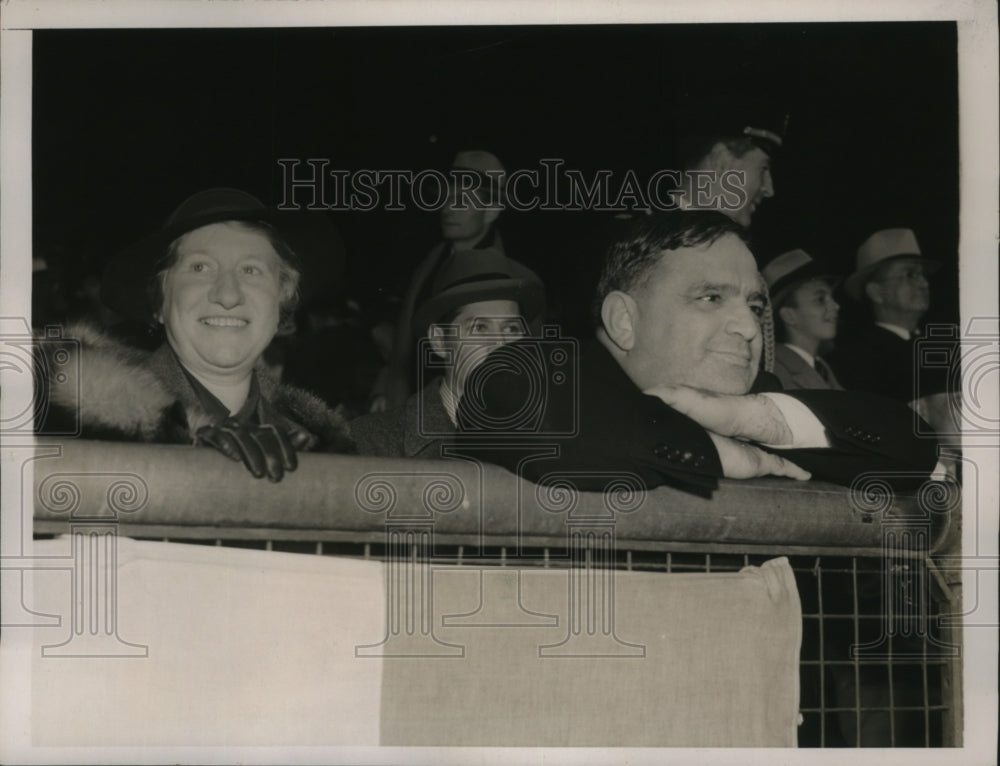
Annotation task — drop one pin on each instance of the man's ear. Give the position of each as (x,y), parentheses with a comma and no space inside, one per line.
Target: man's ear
(874,292)
(718,158)
(788,316)
(288,289)
(620,316)
(436,335)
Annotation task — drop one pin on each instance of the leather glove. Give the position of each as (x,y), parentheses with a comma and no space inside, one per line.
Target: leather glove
(264,449)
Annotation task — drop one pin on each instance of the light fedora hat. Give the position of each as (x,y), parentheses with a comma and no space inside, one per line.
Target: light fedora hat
(881,247)
(789,270)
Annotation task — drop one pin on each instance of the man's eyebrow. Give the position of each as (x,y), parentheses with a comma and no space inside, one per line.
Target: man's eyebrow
(717,287)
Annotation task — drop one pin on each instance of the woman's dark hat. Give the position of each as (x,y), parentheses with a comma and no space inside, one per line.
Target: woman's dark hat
(314,241)
(480,275)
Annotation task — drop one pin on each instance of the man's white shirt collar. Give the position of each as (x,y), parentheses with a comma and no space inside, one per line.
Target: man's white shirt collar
(810,359)
(450,402)
(895,329)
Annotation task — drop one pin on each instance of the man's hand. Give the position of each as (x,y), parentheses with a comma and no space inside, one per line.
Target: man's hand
(744,461)
(751,417)
(264,450)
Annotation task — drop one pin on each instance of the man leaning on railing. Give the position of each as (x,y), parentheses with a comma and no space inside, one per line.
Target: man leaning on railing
(672,389)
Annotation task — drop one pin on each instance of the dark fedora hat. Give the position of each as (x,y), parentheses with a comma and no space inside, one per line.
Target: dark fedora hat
(471,276)
(314,244)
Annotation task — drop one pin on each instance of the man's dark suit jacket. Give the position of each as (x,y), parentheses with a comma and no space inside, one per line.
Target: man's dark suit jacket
(794,372)
(602,423)
(879,361)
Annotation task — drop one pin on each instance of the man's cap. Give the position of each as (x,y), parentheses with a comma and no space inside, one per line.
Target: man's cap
(881,247)
(701,123)
(789,270)
(470,276)
(315,245)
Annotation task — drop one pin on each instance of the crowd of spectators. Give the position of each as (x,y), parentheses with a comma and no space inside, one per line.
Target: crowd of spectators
(371,365)
(233,358)
(706,359)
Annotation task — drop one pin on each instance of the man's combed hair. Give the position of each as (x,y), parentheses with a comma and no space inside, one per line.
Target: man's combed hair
(631,258)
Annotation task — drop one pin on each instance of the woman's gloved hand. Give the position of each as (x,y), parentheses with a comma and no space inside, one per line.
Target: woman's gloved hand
(263,449)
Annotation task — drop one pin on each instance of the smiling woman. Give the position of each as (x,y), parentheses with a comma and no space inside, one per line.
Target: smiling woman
(221,280)
(221,298)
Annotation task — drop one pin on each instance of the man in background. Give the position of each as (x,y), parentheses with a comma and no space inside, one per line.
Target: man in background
(726,147)
(468,223)
(890,279)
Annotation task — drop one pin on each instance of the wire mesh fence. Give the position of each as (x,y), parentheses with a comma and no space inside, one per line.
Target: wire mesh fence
(879,664)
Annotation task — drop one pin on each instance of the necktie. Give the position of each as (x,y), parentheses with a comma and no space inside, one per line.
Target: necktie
(823,369)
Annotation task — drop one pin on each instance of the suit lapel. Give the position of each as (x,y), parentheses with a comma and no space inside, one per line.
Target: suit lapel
(803,375)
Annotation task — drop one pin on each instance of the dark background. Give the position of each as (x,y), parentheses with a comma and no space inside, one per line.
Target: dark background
(129,122)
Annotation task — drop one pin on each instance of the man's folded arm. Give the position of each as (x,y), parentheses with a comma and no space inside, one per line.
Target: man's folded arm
(647,439)
(864,433)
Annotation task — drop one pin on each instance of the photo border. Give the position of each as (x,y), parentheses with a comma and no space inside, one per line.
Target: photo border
(979,202)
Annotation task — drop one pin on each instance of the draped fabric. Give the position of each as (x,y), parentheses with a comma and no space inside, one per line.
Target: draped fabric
(213,646)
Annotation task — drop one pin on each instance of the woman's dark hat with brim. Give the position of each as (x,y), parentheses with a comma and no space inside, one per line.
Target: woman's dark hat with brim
(472,276)
(317,248)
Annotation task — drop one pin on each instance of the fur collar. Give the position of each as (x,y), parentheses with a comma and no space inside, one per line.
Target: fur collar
(123,392)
